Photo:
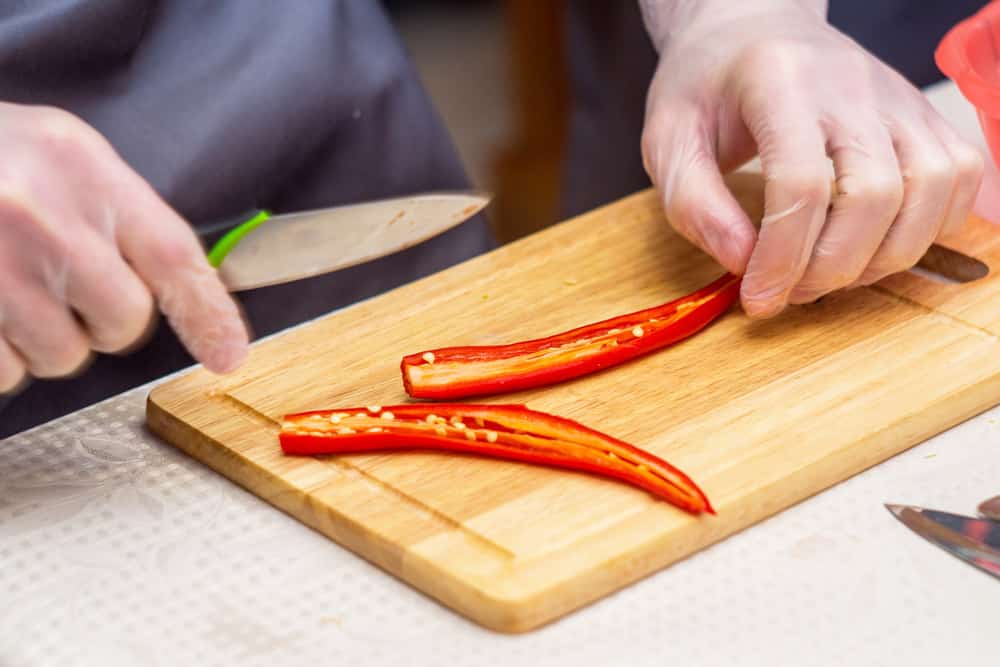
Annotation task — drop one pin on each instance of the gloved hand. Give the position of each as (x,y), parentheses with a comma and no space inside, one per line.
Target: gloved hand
(86,246)
(735,78)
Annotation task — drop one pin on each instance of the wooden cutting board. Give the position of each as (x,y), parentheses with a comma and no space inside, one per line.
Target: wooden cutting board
(761,414)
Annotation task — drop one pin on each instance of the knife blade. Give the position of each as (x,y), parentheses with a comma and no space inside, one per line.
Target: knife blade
(269,250)
(976,541)
(950,266)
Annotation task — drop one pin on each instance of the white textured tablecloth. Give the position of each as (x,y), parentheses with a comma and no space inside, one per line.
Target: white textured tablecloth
(116,549)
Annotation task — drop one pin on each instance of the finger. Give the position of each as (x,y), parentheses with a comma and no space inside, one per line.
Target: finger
(930,180)
(681,162)
(114,304)
(796,195)
(12,368)
(868,199)
(167,256)
(969,167)
(44,333)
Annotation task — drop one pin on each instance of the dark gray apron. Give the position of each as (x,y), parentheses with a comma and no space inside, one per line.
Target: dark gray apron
(229,105)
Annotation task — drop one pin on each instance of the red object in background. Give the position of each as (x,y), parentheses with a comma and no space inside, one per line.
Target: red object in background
(459,372)
(969,55)
(502,431)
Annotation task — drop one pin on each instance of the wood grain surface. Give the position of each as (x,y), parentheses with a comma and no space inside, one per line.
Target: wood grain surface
(760,414)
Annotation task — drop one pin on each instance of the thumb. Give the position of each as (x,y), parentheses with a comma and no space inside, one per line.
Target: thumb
(681,161)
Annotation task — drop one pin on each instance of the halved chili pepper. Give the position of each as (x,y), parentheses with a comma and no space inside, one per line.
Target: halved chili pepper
(504,431)
(458,372)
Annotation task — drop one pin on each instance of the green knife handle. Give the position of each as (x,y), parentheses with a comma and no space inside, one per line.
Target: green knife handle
(234,230)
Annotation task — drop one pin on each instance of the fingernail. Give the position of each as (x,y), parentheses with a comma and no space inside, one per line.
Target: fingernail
(764,304)
(224,350)
(229,359)
(760,310)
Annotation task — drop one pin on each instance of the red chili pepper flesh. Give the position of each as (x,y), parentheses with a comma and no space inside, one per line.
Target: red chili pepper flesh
(460,372)
(503,431)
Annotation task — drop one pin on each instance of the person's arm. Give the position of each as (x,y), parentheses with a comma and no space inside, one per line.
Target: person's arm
(87,249)
(772,77)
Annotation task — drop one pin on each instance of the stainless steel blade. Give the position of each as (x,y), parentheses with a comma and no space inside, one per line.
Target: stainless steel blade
(976,541)
(300,245)
(947,265)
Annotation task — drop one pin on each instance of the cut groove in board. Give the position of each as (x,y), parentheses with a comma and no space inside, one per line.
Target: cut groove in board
(760,414)
(424,511)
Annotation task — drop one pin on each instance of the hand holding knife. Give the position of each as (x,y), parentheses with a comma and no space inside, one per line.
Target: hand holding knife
(253,251)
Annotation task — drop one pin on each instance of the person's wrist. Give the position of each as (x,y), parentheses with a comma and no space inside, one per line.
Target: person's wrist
(666,19)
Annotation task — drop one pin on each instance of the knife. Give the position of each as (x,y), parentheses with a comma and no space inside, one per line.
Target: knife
(260,249)
(976,541)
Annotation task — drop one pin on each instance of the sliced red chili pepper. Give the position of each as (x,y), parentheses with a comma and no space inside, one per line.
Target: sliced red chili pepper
(458,372)
(504,431)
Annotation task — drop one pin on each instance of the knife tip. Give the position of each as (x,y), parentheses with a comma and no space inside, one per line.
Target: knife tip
(895,509)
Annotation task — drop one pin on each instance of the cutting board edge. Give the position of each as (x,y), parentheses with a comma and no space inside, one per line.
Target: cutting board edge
(501,605)
(498,605)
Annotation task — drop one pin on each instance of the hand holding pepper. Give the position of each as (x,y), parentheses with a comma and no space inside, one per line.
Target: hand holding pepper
(772,77)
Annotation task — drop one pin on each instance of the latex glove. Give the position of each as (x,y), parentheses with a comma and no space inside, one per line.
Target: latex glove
(735,78)
(86,246)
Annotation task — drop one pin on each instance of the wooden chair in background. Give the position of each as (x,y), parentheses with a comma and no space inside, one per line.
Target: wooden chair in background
(528,170)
